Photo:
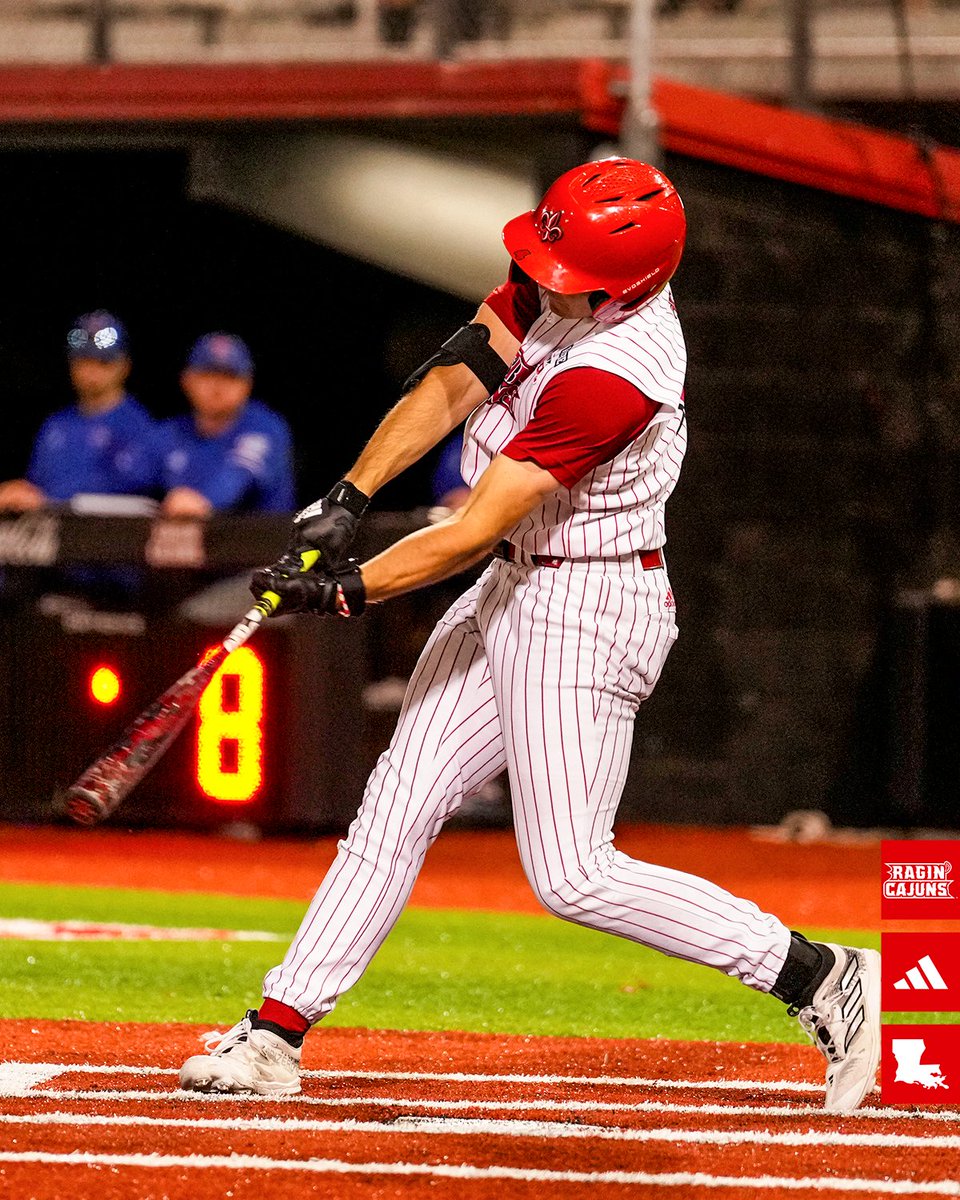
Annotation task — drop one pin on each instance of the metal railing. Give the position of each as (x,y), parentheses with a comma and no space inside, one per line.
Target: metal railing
(790,48)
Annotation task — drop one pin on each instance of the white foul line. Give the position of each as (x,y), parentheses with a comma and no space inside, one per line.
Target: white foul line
(28,929)
(763,1085)
(247,1162)
(550,1130)
(532,1105)
(18,1079)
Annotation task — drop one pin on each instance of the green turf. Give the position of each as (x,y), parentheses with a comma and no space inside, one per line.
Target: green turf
(449,969)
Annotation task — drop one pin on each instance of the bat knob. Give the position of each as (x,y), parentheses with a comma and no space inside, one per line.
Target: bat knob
(86,806)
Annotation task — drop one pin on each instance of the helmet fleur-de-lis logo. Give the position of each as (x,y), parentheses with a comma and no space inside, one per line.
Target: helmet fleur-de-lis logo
(548,225)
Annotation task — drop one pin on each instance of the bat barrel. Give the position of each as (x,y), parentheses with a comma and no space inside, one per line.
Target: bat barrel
(86,806)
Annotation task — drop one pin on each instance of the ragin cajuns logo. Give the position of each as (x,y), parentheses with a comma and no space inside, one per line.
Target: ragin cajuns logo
(548,225)
(918,881)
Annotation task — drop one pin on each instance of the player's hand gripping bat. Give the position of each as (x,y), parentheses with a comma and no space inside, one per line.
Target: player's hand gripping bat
(106,782)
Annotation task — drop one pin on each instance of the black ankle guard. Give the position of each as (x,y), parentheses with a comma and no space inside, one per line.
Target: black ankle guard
(292,1039)
(805,968)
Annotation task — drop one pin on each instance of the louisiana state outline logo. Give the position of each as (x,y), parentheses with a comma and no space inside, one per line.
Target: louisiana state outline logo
(548,225)
(920,1064)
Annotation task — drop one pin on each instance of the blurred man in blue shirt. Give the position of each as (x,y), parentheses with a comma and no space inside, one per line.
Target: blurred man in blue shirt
(446,483)
(105,442)
(231,451)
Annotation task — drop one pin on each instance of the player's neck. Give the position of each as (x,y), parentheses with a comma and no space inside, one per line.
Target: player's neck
(214,425)
(101,403)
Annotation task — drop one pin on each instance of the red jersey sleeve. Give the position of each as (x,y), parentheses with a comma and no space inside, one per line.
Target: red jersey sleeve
(584,418)
(516,302)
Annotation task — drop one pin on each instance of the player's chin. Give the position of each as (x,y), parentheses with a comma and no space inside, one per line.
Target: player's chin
(566,306)
(558,305)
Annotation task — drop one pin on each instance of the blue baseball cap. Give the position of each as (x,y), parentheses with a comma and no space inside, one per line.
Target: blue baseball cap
(221,352)
(98,335)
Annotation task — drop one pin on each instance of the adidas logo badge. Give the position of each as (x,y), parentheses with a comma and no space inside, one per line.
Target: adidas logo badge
(922,978)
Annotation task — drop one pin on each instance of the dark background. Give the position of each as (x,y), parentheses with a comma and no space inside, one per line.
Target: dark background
(332,338)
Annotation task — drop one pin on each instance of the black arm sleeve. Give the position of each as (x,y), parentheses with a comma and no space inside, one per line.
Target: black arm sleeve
(470,345)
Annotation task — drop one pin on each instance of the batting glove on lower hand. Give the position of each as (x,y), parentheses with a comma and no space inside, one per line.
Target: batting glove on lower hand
(340,594)
(330,524)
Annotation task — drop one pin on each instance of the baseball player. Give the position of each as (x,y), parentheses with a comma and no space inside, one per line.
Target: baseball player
(231,451)
(572,377)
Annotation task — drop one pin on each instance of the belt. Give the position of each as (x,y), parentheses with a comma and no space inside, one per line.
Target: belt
(650,560)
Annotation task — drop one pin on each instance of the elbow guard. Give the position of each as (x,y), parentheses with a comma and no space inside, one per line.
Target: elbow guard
(470,345)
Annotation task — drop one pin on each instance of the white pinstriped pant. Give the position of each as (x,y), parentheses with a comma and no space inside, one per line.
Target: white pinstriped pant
(539,670)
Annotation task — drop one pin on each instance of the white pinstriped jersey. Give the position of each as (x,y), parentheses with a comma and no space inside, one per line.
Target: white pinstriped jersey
(617,509)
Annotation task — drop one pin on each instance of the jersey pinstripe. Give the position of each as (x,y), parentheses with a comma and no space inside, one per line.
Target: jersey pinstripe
(618,508)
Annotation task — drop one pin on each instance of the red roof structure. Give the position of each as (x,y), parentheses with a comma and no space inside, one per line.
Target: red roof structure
(819,152)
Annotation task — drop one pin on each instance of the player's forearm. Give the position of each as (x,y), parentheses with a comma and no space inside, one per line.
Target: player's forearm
(506,493)
(415,425)
(424,557)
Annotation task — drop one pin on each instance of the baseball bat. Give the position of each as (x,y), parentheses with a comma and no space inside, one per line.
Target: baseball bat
(114,775)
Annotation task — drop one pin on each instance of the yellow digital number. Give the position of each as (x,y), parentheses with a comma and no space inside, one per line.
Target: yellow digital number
(230,730)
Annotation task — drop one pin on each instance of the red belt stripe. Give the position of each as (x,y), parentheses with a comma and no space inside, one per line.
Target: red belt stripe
(650,560)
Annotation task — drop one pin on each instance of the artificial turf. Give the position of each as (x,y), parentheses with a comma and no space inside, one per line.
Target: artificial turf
(439,969)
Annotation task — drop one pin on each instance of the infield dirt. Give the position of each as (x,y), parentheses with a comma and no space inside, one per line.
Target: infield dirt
(552,1116)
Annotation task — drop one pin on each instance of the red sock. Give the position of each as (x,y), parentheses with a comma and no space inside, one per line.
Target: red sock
(283,1015)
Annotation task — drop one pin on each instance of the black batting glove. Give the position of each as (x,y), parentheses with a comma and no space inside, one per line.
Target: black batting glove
(341,594)
(330,524)
(267,578)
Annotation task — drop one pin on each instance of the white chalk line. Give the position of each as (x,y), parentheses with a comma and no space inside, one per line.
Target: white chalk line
(688,1179)
(533,1105)
(543,1130)
(18,1079)
(763,1085)
(28,929)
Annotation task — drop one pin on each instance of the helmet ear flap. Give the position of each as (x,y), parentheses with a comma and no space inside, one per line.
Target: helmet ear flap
(605,308)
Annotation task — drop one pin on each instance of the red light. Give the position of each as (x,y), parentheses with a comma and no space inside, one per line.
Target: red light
(104,685)
(230,730)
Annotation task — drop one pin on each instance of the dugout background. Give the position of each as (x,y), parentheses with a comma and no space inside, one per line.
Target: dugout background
(818,500)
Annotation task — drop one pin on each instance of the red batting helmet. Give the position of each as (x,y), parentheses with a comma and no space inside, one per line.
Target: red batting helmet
(615,226)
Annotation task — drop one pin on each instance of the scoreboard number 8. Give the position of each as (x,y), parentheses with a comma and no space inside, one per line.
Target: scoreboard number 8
(230,730)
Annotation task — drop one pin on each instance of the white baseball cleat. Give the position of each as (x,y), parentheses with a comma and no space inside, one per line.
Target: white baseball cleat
(244,1059)
(843,1021)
